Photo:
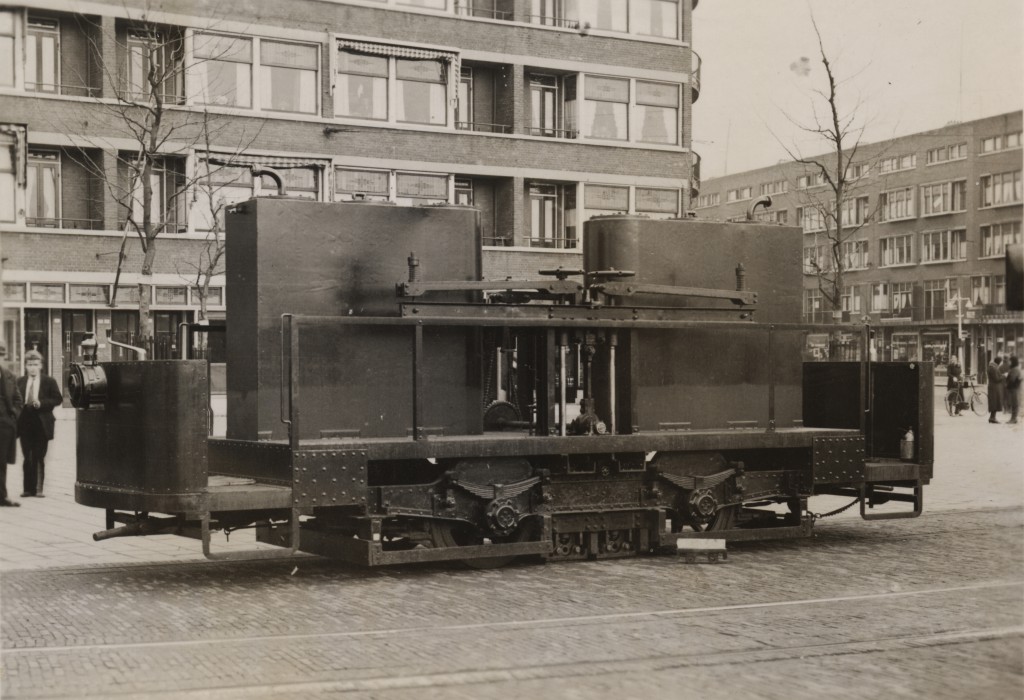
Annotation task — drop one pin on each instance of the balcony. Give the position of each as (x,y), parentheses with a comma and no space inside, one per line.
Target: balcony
(68,89)
(694,75)
(64,222)
(551,21)
(551,133)
(469,8)
(484,127)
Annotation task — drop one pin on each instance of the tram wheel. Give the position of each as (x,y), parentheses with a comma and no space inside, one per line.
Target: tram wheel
(448,534)
(724,519)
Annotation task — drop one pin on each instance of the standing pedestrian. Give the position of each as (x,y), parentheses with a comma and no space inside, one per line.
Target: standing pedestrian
(10,407)
(995,389)
(35,426)
(1004,369)
(1013,381)
(954,380)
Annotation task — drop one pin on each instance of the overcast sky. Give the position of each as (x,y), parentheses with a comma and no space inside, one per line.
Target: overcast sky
(912,64)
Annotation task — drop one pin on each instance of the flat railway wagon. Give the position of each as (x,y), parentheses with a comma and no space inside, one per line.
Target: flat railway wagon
(387,405)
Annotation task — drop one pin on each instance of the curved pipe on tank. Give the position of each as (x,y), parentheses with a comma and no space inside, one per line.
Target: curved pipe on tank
(765,201)
(282,190)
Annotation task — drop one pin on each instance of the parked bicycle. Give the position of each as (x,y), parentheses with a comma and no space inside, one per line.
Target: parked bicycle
(966,396)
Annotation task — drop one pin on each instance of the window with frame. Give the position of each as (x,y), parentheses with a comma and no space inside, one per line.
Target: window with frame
(943,154)
(551,213)
(850,300)
(161,53)
(817,259)
(392,87)
(859,170)
(709,200)
(607,15)
(772,216)
(880,297)
(659,18)
(544,106)
(606,108)
(896,204)
(362,89)
(806,181)
(657,202)
(288,74)
(42,189)
(464,106)
(657,112)
(943,246)
(463,188)
(10,156)
(8,32)
(654,18)
(814,304)
(907,161)
(1002,142)
(217,188)
(855,211)
(738,194)
(995,238)
(167,180)
(421,188)
(1000,189)
(936,294)
(943,197)
(897,250)
(901,297)
(988,289)
(776,187)
(422,92)
(42,55)
(855,255)
(371,185)
(223,69)
(810,218)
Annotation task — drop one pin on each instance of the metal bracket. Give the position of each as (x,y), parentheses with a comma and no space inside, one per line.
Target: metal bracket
(294,528)
(917,499)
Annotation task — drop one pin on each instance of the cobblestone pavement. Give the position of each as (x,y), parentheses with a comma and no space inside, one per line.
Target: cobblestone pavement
(922,608)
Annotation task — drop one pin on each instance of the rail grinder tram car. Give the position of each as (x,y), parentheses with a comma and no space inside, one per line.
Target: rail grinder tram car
(385,404)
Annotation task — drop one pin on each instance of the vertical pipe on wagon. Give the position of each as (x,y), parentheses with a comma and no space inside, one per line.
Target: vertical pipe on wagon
(563,342)
(613,342)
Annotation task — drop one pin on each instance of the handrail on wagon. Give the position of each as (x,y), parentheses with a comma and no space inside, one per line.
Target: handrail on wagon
(290,352)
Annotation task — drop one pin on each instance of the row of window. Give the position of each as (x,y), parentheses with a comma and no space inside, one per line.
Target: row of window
(934,247)
(375,82)
(71,293)
(897,298)
(937,198)
(892,164)
(196,202)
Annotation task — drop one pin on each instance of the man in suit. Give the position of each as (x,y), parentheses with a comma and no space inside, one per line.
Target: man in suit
(35,426)
(10,407)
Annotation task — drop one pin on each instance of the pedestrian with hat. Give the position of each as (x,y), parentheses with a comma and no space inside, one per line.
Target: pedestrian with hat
(35,426)
(10,408)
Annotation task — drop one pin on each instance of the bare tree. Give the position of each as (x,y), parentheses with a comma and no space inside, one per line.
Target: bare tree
(144,101)
(832,193)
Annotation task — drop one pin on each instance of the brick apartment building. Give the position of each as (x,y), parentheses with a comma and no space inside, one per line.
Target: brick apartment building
(541,113)
(935,211)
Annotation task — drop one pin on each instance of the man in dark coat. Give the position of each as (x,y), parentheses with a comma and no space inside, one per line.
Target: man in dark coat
(35,426)
(996,380)
(10,407)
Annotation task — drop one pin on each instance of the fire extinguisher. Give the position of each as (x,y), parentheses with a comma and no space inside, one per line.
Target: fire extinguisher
(907,446)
